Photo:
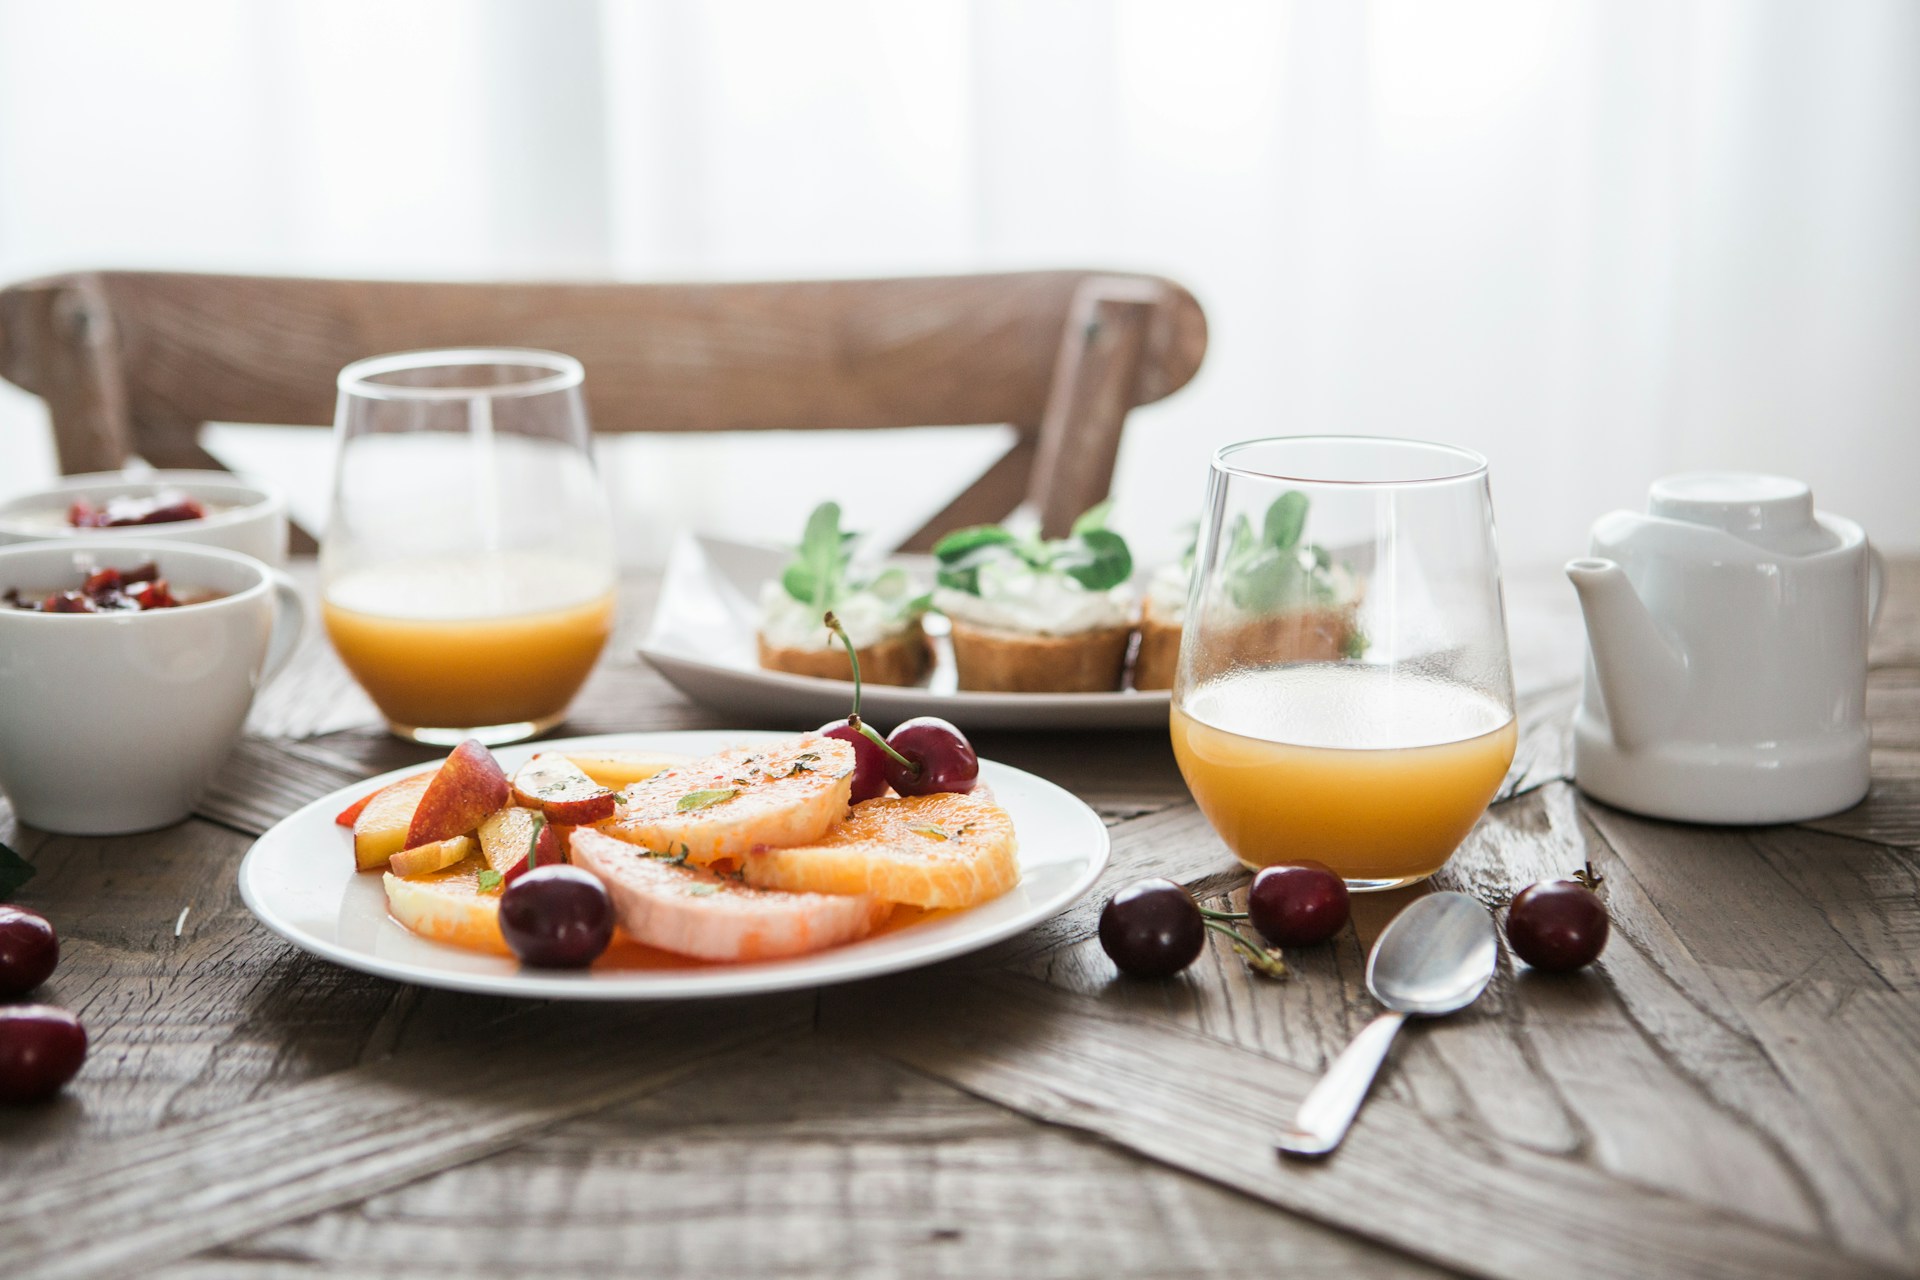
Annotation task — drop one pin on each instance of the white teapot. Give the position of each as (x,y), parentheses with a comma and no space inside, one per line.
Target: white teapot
(1726,653)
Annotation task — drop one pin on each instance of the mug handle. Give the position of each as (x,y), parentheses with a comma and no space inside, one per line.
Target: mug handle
(289,624)
(1876,584)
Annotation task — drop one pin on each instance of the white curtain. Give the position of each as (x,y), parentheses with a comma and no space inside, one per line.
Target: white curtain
(1598,240)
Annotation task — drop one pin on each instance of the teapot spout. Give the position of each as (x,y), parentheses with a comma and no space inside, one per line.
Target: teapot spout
(1641,675)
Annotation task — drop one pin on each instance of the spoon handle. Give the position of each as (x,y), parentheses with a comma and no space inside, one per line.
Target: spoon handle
(1328,1111)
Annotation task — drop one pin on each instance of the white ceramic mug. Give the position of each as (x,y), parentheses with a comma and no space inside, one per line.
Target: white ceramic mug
(247,517)
(116,722)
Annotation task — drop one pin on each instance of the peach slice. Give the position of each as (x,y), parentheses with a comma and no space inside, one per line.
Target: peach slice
(616,769)
(470,785)
(449,906)
(506,836)
(562,790)
(421,859)
(381,829)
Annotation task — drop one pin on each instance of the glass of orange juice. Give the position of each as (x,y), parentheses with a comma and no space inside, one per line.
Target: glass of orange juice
(467,573)
(1344,693)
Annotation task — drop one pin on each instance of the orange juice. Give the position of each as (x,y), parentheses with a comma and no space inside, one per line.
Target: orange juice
(1375,772)
(471,641)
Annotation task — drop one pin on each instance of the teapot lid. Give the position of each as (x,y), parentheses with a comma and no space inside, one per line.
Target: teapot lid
(1774,512)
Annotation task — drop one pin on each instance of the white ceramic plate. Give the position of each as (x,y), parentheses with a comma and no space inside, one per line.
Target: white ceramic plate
(298,879)
(702,640)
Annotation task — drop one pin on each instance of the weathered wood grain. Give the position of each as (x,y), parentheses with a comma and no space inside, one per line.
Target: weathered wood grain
(1740,1057)
(1506,1211)
(804,1160)
(346,1136)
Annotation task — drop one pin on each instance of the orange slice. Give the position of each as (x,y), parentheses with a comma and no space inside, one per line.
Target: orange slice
(713,810)
(448,906)
(943,850)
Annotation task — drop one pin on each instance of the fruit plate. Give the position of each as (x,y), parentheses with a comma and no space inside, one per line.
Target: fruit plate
(702,639)
(299,881)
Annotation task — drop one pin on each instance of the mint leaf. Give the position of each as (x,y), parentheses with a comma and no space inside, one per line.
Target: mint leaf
(490,880)
(14,872)
(1285,519)
(1094,517)
(933,831)
(702,890)
(1097,559)
(820,562)
(960,542)
(705,799)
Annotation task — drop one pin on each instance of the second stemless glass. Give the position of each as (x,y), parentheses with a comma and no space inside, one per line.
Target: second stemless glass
(1344,693)
(467,574)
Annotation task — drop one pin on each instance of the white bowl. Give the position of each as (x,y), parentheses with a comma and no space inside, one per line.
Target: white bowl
(116,722)
(253,520)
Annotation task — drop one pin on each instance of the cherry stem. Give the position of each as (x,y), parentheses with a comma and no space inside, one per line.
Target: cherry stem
(1259,959)
(1211,914)
(833,625)
(533,845)
(866,730)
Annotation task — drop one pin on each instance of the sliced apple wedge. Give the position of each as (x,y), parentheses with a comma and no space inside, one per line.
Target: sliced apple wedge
(350,815)
(470,785)
(562,790)
(381,829)
(422,859)
(616,769)
(449,906)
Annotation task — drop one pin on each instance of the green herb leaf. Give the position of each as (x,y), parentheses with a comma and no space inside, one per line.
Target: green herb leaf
(705,799)
(932,831)
(1094,517)
(961,541)
(1269,580)
(1285,519)
(820,562)
(702,890)
(1356,644)
(1097,559)
(14,872)
(490,880)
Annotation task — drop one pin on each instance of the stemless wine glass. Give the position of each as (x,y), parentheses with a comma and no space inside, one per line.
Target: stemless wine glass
(1344,693)
(467,574)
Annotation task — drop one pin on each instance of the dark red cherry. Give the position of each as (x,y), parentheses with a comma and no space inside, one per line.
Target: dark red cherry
(1557,925)
(1297,904)
(556,917)
(1152,929)
(869,761)
(29,949)
(939,758)
(41,1048)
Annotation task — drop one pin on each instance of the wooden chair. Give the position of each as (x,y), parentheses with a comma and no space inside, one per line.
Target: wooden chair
(133,363)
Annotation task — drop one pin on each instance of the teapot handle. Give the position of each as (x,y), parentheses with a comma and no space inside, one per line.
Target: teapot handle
(1876,584)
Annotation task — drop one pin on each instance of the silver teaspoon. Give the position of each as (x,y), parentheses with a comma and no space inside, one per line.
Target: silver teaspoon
(1436,957)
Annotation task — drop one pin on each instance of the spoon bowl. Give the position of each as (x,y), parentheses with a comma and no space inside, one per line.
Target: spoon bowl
(1436,957)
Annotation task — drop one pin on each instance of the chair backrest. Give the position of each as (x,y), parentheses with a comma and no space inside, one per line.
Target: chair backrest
(136,362)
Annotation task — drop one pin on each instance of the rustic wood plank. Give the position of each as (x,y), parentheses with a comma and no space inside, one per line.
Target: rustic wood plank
(1793,942)
(800,1160)
(355,1133)
(1195,1104)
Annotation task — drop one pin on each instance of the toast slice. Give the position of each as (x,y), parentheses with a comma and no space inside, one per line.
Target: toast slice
(990,660)
(901,659)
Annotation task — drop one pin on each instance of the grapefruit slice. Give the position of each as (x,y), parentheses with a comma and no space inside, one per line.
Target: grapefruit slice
(691,912)
(945,850)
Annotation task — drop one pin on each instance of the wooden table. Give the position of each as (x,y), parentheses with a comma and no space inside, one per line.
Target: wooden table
(1733,1091)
